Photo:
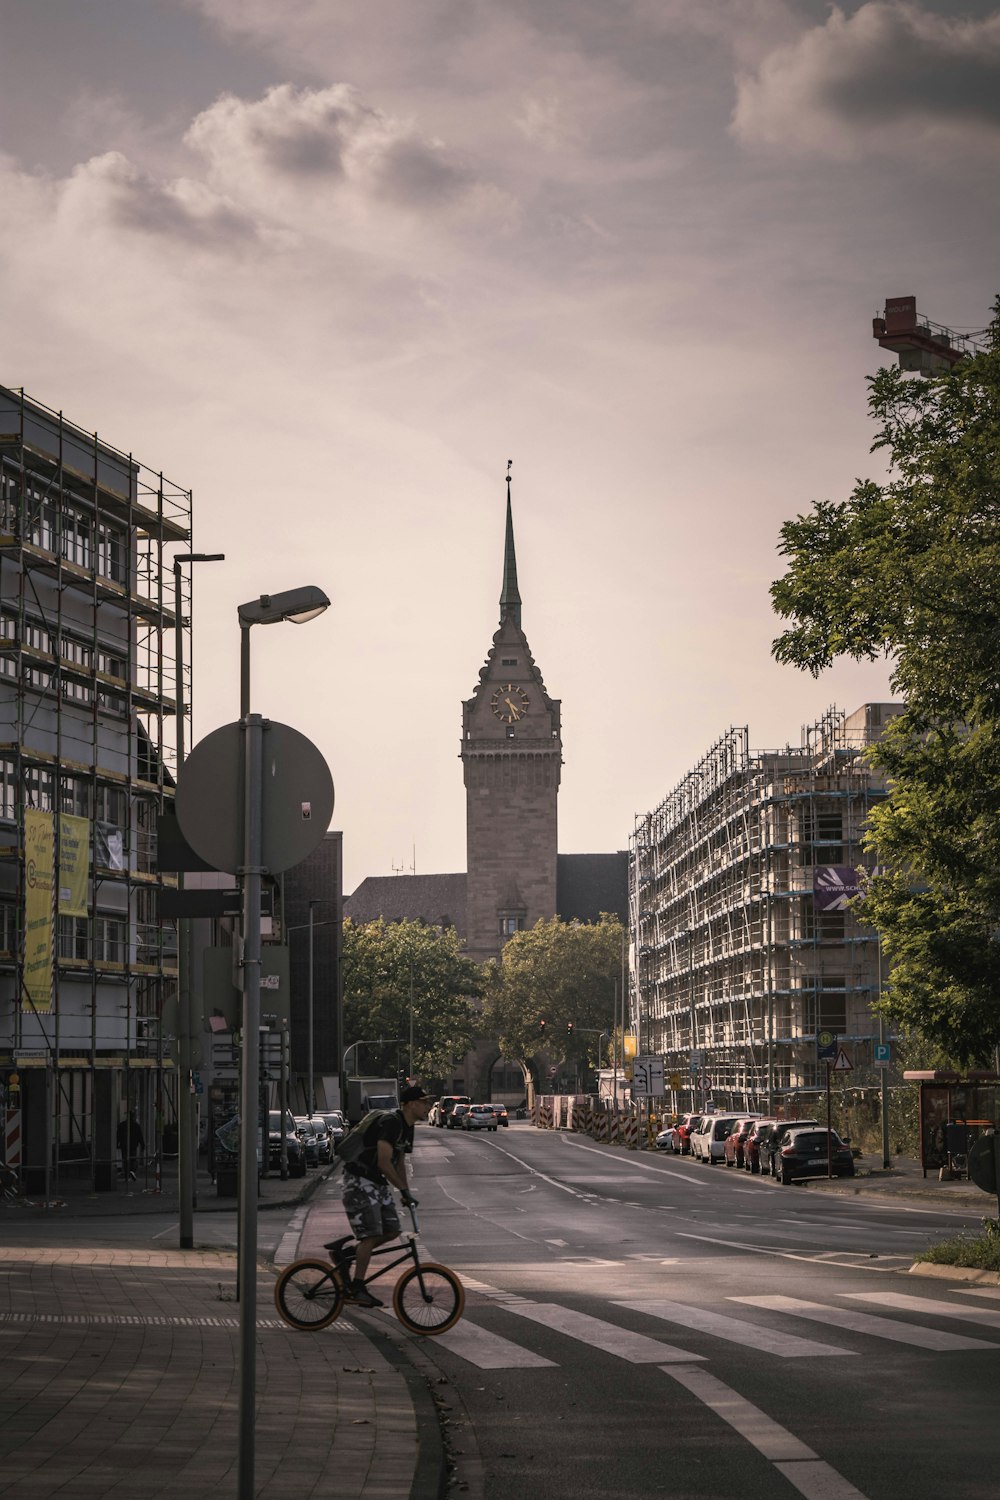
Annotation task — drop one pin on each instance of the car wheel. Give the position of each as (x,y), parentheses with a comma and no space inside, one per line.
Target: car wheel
(786,1178)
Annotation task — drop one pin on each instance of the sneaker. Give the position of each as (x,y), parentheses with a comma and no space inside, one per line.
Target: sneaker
(361,1296)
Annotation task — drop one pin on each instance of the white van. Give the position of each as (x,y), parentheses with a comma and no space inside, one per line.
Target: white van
(708,1142)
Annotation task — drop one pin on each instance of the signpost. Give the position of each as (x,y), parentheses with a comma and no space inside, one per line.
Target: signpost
(647,1077)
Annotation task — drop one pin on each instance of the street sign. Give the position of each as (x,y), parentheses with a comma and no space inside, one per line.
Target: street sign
(697,1060)
(647,1077)
(826,1046)
(675,1080)
(843,1063)
(296,798)
(883,1054)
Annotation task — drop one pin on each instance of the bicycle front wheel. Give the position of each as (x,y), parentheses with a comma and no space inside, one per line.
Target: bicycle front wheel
(428,1299)
(308,1295)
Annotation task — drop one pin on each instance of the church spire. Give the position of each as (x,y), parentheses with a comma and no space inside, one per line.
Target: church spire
(510,599)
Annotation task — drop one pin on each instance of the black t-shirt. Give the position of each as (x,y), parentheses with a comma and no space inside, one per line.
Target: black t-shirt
(389,1127)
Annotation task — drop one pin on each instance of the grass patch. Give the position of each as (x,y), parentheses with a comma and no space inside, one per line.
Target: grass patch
(981,1251)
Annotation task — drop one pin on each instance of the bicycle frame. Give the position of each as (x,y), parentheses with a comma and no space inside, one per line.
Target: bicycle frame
(410,1253)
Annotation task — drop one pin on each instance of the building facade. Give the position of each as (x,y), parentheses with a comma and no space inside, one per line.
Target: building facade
(743,948)
(89,632)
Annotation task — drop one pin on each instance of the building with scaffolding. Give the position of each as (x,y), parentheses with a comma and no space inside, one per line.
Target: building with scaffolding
(743,947)
(88,695)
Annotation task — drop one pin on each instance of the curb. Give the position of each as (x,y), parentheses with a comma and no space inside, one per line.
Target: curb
(954,1273)
(430,1475)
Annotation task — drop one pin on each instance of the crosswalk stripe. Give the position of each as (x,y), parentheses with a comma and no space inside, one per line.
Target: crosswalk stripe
(481,1347)
(988,1317)
(978,1291)
(733,1331)
(622,1342)
(855,1322)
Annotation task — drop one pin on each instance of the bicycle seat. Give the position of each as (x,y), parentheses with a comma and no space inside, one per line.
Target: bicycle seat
(336,1247)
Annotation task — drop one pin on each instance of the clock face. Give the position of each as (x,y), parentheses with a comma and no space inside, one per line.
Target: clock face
(510,703)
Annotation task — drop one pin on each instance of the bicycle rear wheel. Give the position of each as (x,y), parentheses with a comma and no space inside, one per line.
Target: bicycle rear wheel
(308,1295)
(428,1299)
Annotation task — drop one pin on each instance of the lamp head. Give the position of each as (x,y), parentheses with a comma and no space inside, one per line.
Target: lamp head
(294,605)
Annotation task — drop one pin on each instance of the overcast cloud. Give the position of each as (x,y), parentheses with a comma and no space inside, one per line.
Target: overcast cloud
(333,265)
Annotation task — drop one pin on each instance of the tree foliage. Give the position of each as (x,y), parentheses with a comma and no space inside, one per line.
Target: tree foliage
(910,570)
(384,964)
(559,972)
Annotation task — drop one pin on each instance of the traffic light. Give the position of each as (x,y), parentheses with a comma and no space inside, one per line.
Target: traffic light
(569,1028)
(541,1026)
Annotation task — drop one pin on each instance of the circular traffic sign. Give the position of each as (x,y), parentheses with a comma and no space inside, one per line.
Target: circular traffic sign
(296,798)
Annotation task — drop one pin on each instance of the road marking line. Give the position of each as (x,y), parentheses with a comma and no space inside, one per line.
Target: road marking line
(867,1323)
(977,1291)
(481,1347)
(733,1331)
(596,1334)
(642,1165)
(987,1316)
(799,1464)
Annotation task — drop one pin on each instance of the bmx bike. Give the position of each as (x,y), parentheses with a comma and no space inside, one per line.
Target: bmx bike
(427,1298)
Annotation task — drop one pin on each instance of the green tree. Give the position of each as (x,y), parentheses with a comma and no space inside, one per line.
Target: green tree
(910,570)
(387,963)
(562,973)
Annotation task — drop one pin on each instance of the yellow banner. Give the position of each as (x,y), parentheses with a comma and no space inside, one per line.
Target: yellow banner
(38,840)
(74,864)
(629,1043)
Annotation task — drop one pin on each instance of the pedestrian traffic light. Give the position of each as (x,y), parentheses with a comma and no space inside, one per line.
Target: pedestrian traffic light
(569,1028)
(541,1026)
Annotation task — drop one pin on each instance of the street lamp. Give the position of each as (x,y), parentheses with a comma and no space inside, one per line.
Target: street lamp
(186,1144)
(296,605)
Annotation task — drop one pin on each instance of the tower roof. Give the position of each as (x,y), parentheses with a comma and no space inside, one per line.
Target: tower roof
(510,599)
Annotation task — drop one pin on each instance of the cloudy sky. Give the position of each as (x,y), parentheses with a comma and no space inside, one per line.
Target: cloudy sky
(331,263)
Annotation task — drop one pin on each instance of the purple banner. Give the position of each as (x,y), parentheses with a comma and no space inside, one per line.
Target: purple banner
(834,886)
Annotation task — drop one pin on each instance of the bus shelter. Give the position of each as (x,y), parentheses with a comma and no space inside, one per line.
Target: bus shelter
(955,1109)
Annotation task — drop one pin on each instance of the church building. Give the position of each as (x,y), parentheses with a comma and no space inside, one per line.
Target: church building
(511,754)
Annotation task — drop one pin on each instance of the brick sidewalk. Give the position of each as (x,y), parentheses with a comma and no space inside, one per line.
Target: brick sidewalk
(119,1378)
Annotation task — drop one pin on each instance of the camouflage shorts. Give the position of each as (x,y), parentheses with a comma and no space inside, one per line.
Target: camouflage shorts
(370,1207)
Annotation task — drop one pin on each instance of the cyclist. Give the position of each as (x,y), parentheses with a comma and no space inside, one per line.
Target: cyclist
(370,1179)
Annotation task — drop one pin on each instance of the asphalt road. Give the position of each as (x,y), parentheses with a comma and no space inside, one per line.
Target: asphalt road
(641,1325)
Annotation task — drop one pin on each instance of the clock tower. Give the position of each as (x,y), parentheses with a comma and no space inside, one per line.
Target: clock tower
(511,755)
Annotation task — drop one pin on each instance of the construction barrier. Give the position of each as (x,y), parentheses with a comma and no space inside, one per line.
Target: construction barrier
(12,1139)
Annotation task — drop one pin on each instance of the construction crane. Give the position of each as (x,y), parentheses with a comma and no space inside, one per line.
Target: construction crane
(922,346)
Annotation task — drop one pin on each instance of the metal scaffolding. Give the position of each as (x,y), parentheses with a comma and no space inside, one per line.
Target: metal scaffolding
(737,962)
(88,697)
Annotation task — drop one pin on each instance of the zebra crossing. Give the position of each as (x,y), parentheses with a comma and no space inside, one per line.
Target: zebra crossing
(886,1317)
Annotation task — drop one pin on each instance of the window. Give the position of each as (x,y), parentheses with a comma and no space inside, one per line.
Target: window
(39,788)
(511,922)
(77,533)
(8,928)
(74,937)
(75,796)
(110,938)
(8,789)
(111,553)
(508,661)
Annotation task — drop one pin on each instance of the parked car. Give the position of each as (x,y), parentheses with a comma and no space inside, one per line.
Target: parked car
(446,1105)
(811,1153)
(478,1117)
(756,1143)
(454,1118)
(708,1142)
(665,1138)
(500,1110)
(734,1146)
(324,1140)
(307,1136)
(335,1124)
(775,1141)
(682,1136)
(295,1154)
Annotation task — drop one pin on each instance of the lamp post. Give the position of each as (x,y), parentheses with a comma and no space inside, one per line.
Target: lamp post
(297,606)
(186,1144)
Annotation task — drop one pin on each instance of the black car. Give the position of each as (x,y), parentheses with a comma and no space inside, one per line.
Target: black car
(775,1141)
(296,1155)
(812,1153)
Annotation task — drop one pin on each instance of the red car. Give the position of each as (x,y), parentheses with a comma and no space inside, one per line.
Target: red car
(682,1135)
(754,1145)
(734,1146)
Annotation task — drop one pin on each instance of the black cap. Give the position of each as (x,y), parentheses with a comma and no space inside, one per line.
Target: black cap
(412,1092)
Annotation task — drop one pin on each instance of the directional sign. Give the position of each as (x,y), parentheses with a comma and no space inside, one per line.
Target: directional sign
(647,1077)
(843,1063)
(826,1046)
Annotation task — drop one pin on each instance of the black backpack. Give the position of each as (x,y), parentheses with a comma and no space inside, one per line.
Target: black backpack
(351,1145)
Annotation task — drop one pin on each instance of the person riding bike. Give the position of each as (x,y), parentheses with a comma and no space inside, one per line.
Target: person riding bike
(370,1179)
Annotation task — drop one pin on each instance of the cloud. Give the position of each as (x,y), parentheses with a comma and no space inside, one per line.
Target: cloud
(325,154)
(890,77)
